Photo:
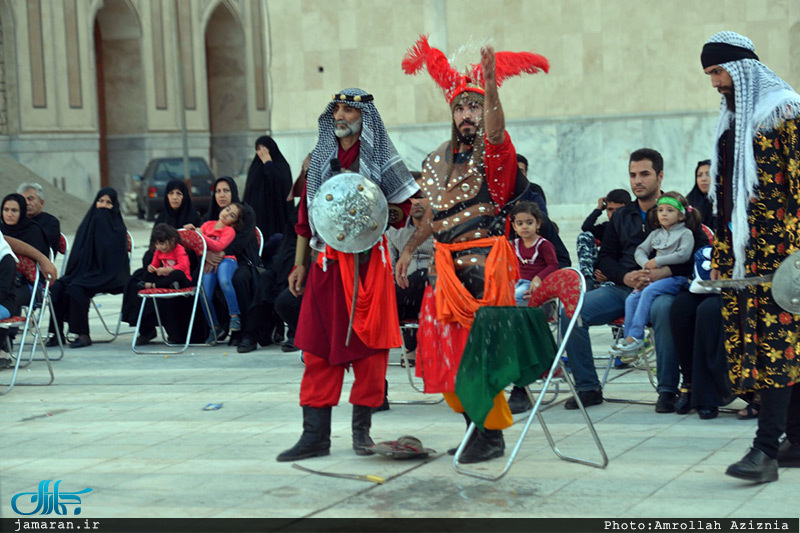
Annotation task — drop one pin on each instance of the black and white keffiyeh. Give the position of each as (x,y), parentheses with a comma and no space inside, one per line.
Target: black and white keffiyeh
(378,159)
(763,101)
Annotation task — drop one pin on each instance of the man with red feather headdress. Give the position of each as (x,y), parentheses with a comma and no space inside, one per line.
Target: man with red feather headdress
(469,180)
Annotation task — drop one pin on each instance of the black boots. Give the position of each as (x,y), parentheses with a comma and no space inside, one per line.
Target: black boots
(684,404)
(482,445)
(756,466)
(487,445)
(362,420)
(788,454)
(316,438)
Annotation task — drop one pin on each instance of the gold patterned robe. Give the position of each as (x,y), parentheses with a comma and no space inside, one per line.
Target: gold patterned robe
(761,339)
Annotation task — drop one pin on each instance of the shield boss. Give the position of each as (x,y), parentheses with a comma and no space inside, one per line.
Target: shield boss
(349,212)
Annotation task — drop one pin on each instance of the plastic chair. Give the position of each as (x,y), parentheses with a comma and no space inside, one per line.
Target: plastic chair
(116,333)
(566,287)
(411,325)
(32,319)
(192,240)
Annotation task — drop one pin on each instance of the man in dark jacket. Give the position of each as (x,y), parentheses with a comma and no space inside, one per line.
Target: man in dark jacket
(626,230)
(34,197)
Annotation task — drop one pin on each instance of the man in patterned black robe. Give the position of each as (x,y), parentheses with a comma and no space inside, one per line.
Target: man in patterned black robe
(756,191)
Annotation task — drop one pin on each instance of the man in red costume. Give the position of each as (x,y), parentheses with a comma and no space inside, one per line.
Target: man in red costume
(469,180)
(352,132)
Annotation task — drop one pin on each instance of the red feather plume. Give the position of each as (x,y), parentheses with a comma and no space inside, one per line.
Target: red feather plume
(508,64)
(422,54)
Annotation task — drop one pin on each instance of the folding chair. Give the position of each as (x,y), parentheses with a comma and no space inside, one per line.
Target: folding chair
(116,333)
(260,241)
(411,325)
(567,287)
(644,359)
(192,240)
(63,249)
(32,319)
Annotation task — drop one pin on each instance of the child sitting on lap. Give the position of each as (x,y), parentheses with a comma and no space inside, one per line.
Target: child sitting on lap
(673,243)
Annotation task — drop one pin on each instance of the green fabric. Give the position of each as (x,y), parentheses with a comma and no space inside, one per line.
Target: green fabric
(505,345)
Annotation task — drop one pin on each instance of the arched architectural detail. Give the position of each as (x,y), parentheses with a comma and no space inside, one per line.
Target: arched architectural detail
(121,101)
(233,9)
(226,75)
(9,109)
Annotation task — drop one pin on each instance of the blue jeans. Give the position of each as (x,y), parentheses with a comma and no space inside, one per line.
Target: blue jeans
(519,290)
(603,305)
(224,274)
(637,304)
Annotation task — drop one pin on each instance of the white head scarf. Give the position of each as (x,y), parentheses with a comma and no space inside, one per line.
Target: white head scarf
(763,101)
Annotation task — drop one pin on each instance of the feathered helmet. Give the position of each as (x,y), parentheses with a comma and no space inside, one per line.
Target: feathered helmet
(453,83)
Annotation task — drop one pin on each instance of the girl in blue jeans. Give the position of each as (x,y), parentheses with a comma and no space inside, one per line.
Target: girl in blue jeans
(672,243)
(219,234)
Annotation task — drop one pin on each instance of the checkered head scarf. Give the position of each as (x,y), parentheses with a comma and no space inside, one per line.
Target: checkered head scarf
(763,102)
(378,159)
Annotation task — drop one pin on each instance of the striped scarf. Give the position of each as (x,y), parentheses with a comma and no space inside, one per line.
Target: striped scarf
(378,159)
(763,101)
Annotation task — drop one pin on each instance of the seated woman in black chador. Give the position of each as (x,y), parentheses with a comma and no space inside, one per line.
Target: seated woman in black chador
(244,247)
(15,223)
(98,262)
(178,207)
(178,211)
(698,196)
(269,180)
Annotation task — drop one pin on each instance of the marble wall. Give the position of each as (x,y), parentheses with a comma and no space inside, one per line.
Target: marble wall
(574,160)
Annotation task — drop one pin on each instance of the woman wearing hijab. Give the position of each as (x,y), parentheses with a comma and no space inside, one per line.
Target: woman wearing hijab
(97,263)
(244,245)
(15,223)
(698,197)
(178,212)
(178,207)
(269,181)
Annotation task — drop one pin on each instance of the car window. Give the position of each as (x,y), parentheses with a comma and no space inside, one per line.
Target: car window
(173,169)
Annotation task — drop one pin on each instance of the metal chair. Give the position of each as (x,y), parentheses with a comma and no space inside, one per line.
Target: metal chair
(411,325)
(32,319)
(116,333)
(260,241)
(566,287)
(193,240)
(63,249)
(644,358)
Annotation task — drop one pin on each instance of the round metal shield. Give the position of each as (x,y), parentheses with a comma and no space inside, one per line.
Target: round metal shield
(349,212)
(786,284)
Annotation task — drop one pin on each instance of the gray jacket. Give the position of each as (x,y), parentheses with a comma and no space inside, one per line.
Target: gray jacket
(673,246)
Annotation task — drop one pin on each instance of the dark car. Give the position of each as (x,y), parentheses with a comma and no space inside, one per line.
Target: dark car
(150,199)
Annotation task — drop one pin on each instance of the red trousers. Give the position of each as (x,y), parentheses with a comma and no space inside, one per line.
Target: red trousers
(322,383)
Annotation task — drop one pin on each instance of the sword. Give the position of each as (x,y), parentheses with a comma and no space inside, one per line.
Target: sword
(372,478)
(735,283)
(785,281)
(356,261)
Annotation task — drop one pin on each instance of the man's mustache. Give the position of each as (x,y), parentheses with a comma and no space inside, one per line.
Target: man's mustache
(467,121)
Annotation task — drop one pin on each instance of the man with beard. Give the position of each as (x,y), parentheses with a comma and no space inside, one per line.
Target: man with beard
(470,181)
(34,197)
(352,132)
(755,175)
(409,299)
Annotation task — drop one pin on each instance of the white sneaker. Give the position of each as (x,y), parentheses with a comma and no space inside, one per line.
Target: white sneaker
(631,347)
